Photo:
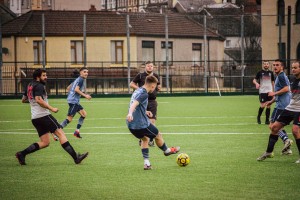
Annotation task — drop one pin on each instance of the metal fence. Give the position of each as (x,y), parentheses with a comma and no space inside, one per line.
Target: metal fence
(184,77)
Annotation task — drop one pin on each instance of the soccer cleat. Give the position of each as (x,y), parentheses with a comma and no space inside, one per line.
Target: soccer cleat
(287,152)
(298,161)
(55,138)
(20,158)
(77,134)
(173,150)
(265,156)
(80,157)
(147,167)
(258,120)
(287,144)
(267,122)
(151,144)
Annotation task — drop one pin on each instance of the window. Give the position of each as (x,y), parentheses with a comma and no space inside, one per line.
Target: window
(76,52)
(298,51)
(148,51)
(228,43)
(170,50)
(280,12)
(282,51)
(297,12)
(197,54)
(38,52)
(117,52)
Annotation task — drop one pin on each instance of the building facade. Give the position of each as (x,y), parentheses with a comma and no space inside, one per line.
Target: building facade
(277,40)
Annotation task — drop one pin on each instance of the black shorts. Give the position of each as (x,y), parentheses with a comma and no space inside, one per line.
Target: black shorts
(45,125)
(263,97)
(150,132)
(152,106)
(275,114)
(73,109)
(287,116)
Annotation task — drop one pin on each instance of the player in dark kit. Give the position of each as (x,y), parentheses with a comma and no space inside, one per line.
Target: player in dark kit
(139,81)
(264,81)
(43,121)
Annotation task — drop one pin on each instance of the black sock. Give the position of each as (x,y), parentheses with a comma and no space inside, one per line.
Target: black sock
(272,141)
(260,110)
(268,110)
(32,148)
(68,148)
(145,153)
(298,144)
(164,147)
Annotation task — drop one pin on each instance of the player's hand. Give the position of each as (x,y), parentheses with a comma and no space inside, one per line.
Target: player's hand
(257,86)
(87,96)
(149,113)
(55,110)
(271,94)
(129,117)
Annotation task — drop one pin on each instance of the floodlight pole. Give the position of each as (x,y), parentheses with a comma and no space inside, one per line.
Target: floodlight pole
(43,41)
(128,47)
(167,51)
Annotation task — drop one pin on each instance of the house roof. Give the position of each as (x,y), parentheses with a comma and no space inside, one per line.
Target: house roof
(99,23)
(6,14)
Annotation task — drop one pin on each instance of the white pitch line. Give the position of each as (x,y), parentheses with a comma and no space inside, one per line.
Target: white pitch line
(121,133)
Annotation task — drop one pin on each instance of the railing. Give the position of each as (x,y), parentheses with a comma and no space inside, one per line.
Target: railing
(104,78)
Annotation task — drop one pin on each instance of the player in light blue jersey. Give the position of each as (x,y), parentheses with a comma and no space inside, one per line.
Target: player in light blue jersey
(282,97)
(139,124)
(75,92)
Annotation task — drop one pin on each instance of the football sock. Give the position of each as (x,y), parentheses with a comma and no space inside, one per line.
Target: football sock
(298,145)
(68,148)
(80,122)
(272,141)
(260,110)
(164,148)
(268,110)
(282,134)
(32,148)
(145,153)
(65,123)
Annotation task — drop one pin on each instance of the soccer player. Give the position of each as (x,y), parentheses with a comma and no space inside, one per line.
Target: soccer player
(43,121)
(139,81)
(290,113)
(139,124)
(75,92)
(264,81)
(282,97)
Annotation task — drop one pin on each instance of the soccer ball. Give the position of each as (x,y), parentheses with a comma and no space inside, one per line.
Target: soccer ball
(183,159)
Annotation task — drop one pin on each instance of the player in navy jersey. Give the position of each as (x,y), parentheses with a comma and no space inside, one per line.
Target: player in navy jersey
(282,97)
(289,114)
(75,92)
(139,81)
(43,121)
(139,124)
(264,81)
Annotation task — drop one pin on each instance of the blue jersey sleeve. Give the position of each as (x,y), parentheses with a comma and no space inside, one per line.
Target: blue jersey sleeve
(142,97)
(282,81)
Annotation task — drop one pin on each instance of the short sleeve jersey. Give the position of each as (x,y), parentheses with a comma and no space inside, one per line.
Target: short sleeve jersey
(35,88)
(73,96)
(295,101)
(283,100)
(140,119)
(140,81)
(265,79)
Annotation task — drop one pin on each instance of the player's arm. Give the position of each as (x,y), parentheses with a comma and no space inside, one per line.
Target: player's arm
(255,83)
(285,89)
(25,99)
(132,108)
(77,89)
(44,104)
(134,85)
(69,87)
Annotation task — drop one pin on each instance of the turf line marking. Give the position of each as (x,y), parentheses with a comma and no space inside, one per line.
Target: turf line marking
(127,133)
